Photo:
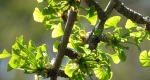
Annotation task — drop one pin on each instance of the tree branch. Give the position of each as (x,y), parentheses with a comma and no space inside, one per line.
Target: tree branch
(94,40)
(61,73)
(131,14)
(64,41)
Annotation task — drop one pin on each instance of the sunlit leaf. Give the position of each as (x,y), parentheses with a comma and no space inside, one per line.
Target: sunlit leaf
(31,45)
(135,34)
(101,73)
(70,68)
(38,16)
(144,58)
(47,25)
(115,58)
(39,1)
(55,46)
(39,53)
(112,22)
(57,32)
(130,24)
(4,54)
(44,48)
(92,16)
(14,61)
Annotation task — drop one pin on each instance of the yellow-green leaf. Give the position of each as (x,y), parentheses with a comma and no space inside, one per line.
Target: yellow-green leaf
(55,46)
(39,53)
(70,68)
(4,54)
(92,15)
(115,58)
(39,1)
(101,73)
(57,32)
(112,22)
(37,15)
(144,58)
(130,24)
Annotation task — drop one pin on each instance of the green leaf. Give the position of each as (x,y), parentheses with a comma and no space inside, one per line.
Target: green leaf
(115,58)
(20,40)
(4,54)
(14,61)
(47,25)
(57,32)
(39,1)
(130,24)
(121,55)
(44,48)
(48,11)
(101,73)
(38,16)
(135,34)
(70,68)
(55,46)
(144,58)
(39,53)
(31,46)
(148,37)
(92,16)
(112,22)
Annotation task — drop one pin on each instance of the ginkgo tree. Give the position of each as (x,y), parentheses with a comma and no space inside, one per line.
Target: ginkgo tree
(83,49)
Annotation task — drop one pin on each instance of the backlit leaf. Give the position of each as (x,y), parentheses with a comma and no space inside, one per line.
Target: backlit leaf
(70,68)
(115,58)
(55,46)
(101,73)
(112,22)
(57,32)
(39,53)
(144,58)
(4,54)
(37,15)
(39,1)
(130,24)
(92,16)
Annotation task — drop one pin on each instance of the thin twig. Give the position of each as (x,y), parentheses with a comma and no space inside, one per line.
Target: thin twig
(64,41)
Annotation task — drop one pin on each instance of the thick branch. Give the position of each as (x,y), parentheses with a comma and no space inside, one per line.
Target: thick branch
(131,14)
(61,73)
(64,41)
(71,54)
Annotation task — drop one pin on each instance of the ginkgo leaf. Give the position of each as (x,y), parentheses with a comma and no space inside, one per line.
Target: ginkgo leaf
(57,32)
(92,16)
(70,68)
(101,73)
(55,46)
(144,58)
(130,24)
(39,1)
(112,22)
(115,58)
(37,15)
(4,54)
